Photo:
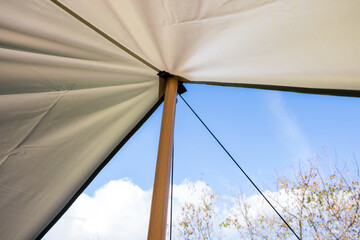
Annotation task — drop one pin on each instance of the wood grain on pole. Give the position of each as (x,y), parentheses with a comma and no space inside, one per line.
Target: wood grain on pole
(159,204)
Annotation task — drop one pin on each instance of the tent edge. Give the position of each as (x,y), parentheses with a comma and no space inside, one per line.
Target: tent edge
(98,169)
(317,91)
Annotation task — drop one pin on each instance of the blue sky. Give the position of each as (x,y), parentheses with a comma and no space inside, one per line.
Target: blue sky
(267,132)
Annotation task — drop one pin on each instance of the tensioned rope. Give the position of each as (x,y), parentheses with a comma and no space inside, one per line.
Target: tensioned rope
(119,45)
(222,146)
(172,190)
(104,35)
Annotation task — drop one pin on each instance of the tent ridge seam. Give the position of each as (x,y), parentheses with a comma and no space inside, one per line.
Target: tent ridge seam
(104,35)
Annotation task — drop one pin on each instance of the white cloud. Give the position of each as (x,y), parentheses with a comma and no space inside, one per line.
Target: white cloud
(120,210)
(258,205)
(189,192)
(292,133)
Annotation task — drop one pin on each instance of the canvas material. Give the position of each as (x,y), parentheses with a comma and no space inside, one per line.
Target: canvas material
(68,96)
(297,43)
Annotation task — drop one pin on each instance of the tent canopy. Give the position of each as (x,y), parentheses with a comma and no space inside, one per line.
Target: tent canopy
(69,96)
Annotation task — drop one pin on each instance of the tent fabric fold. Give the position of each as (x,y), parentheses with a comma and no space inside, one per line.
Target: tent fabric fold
(68,96)
(298,43)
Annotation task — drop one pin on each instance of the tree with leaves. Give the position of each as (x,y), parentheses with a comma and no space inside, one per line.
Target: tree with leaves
(197,219)
(315,205)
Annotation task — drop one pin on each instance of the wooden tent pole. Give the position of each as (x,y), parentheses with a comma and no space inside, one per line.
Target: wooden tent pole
(160,197)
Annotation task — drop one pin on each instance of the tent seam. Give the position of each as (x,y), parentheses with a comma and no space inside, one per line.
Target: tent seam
(104,35)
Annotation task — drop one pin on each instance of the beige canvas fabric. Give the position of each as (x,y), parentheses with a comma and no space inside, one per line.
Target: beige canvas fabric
(68,96)
(299,43)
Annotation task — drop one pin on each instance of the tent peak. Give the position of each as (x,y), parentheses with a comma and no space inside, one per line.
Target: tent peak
(165,75)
